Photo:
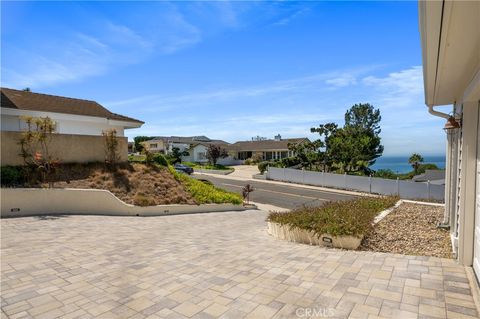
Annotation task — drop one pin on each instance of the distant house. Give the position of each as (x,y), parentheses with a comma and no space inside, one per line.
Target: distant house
(79,125)
(196,146)
(270,149)
(434,176)
(197,153)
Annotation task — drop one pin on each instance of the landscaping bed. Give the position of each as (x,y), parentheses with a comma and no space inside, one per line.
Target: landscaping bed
(138,184)
(411,229)
(332,221)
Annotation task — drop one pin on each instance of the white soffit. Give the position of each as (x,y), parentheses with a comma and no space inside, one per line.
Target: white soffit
(453,62)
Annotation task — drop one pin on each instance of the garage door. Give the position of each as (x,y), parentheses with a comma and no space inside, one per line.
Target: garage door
(476,245)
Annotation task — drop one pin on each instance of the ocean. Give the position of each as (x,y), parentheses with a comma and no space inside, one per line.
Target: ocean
(399,164)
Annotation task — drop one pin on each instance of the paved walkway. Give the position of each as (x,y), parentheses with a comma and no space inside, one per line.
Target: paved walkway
(207,266)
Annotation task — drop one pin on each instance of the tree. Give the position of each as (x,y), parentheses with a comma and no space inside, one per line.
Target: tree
(353,150)
(325,131)
(363,117)
(246,190)
(214,152)
(138,142)
(177,155)
(353,147)
(415,161)
(307,153)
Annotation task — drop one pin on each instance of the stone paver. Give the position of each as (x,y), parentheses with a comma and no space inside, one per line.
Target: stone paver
(217,265)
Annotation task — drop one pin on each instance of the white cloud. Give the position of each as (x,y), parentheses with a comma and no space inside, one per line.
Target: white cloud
(342,81)
(409,81)
(292,16)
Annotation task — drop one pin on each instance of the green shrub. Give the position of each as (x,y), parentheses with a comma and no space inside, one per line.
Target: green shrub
(171,159)
(289,162)
(262,166)
(353,217)
(160,159)
(204,193)
(385,173)
(256,158)
(248,161)
(11,175)
(136,158)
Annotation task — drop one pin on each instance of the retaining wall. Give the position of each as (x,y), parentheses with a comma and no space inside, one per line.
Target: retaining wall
(20,202)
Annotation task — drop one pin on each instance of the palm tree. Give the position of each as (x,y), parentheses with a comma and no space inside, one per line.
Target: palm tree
(415,161)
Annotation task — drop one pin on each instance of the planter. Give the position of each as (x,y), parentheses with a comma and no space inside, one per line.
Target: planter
(308,237)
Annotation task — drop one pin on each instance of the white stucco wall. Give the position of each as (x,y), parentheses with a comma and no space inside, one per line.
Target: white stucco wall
(66,123)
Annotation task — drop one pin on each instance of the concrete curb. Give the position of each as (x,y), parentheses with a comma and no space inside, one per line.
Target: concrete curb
(213,171)
(423,203)
(387,211)
(21,202)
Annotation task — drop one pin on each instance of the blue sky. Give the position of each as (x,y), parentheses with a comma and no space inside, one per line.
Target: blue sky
(228,70)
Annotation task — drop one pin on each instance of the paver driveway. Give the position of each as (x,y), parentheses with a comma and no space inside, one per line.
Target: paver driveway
(210,265)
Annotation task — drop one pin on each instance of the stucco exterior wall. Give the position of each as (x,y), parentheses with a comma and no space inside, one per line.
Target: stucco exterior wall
(68,148)
(80,125)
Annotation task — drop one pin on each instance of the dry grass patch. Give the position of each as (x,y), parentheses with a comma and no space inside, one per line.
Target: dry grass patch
(411,229)
(136,184)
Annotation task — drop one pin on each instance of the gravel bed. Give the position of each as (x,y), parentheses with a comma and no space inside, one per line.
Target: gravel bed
(411,229)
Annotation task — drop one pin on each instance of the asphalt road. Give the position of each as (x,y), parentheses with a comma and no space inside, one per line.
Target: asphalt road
(278,195)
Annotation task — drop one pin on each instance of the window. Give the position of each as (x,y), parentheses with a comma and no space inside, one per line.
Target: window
(154,145)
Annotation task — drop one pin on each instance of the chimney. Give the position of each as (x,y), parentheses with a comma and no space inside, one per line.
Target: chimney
(278,137)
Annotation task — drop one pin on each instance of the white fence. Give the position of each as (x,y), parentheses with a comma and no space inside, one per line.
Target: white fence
(405,189)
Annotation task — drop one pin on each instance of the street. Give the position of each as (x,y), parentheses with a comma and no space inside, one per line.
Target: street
(278,195)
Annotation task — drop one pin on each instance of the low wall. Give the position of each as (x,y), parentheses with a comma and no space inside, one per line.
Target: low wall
(67,148)
(404,189)
(303,236)
(20,202)
(229,161)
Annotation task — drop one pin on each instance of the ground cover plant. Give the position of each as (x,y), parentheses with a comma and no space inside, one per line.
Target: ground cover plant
(345,218)
(205,193)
